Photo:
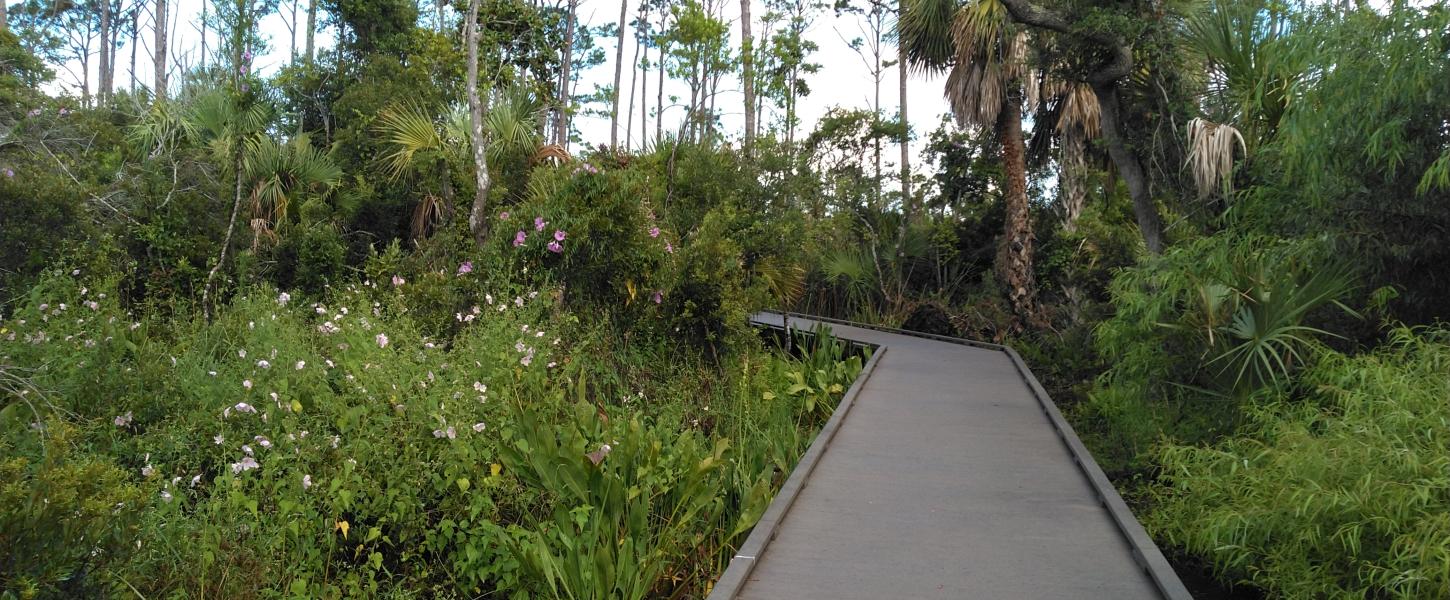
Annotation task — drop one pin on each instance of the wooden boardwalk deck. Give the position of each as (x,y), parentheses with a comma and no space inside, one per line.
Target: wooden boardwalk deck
(946,472)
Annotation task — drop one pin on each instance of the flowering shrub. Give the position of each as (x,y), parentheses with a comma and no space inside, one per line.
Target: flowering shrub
(336,447)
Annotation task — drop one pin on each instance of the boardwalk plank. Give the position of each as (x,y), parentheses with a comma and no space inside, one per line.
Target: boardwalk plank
(945,480)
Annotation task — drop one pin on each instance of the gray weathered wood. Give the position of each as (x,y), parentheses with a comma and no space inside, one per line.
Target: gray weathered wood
(949,474)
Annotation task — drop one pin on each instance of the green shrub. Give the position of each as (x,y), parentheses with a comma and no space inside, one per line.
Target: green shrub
(1340,495)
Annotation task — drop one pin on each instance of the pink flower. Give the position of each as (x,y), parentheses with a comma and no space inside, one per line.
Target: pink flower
(397,281)
(670,248)
(478,427)
(306,481)
(247,464)
(519,238)
(539,223)
(465,268)
(503,216)
(654,232)
(658,297)
(382,340)
(123,420)
(555,247)
(559,234)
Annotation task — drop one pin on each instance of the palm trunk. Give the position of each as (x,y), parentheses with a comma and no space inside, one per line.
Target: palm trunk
(747,75)
(159,51)
(618,76)
(1014,261)
(478,217)
(1072,184)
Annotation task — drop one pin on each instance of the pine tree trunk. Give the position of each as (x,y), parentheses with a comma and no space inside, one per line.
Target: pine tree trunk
(292,31)
(747,75)
(478,217)
(618,76)
(633,88)
(159,51)
(4,16)
(204,4)
(1014,261)
(311,28)
(561,122)
(135,34)
(1129,167)
(907,202)
(660,99)
(101,85)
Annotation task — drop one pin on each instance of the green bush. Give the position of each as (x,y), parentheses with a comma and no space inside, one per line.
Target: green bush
(1338,495)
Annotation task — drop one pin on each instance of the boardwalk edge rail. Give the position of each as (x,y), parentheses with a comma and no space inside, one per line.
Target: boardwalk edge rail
(1145,552)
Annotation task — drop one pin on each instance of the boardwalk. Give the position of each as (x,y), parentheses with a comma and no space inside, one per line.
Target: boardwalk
(942,475)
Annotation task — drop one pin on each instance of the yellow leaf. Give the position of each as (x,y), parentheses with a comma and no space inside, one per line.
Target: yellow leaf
(343,525)
(296,406)
(629,285)
(494,469)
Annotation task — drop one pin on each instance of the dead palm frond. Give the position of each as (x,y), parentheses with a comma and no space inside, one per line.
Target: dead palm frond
(427,216)
(1211,155)
(1080,110)
(553,152)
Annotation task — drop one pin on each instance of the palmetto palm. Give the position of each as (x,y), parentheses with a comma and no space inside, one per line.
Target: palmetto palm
(436,147)
(281,173)
(985,58)
(429,147)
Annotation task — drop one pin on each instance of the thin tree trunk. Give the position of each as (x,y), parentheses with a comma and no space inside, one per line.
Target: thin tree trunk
(159,51)
(478,217)
(101,84)
(437,14)
(644,84)
(135,34)
(209,290)
(907,202)
(561,122)
(660,100)
(633,87)
(618,75)
(1014,261)
(292,31)
(4,16)
(747,75)
(204,3)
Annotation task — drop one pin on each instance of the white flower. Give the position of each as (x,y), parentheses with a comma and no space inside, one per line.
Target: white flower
(244,407)
(242,353)
(264,364)
(165,496)
(478,427)
(301,364)
(538,334)
(488,297)
(263,441)
(247,463)
(218,439)
(148,470)
(247,449)
(518,301)
(247,383)
(195,480)
(382,340)
(449,433)
(283,298)
(212,373)
(306,481)
(123,420)
(335,440)
(480,387)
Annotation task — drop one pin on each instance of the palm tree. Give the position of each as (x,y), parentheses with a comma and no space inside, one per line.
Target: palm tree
(433,148)
(281,173)
(985,59)
(422,146)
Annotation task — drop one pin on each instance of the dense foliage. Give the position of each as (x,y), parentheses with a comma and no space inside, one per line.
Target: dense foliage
(375,323)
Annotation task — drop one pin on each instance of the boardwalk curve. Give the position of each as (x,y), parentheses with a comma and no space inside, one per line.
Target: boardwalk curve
(945,472)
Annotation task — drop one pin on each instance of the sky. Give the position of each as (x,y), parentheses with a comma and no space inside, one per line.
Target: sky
(843,79)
